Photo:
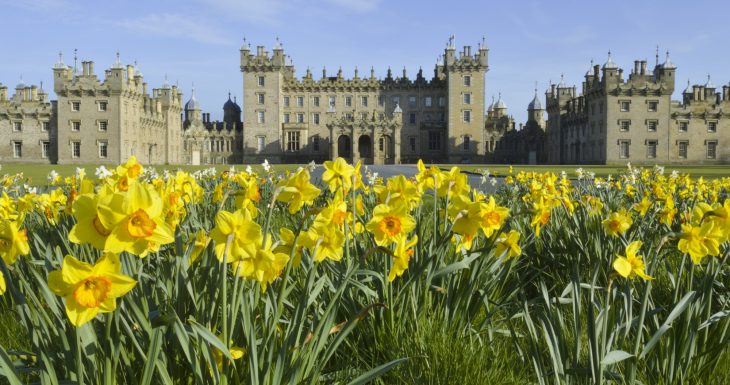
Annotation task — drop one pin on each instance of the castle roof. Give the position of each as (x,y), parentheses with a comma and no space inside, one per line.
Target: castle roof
(500,104)
(709,83)
(193,103)
(535,103)
(231,105)
(609,63)
(688,90)
(668,63)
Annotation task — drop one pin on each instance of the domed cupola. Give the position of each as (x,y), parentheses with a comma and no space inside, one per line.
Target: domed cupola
(231,111)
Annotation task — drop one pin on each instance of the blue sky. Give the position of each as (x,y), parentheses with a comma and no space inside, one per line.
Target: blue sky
(198,41)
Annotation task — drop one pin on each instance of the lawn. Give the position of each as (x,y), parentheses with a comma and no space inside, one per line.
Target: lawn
(37,174)
(706,171)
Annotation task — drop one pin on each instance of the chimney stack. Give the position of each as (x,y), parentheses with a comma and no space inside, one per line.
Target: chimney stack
(637,64)
(643,67)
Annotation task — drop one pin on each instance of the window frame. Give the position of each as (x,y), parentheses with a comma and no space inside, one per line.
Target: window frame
(711,144)
(623,103)
(17,149)
(651,144)
(75,105)
(466,116)
(103,144)
(45,149)
(680,144)
(76,149)
(103,106)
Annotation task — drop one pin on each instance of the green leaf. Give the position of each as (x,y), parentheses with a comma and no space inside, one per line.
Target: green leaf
(8,369)
(376,372)
(211,338)
(615,356)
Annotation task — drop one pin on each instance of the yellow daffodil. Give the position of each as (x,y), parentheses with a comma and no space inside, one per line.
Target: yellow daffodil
(401,256)
(246,234)
(297,191)
(428,178)
(507,245)
(399,190)
(3,287)
(700,241)
(631,265)
(492,216)
(135,221)
(454,183)
(131,169)
(90,290)
(323,240)
(286,245)
(13,241)
(617,223)
(200,243)
(88,227)
(390,222)
(264,266)
(643,206)
(541,215)
(338,173)
(236,353)
(667,213)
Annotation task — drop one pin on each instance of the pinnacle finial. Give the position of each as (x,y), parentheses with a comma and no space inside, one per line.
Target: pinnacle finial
(657,54)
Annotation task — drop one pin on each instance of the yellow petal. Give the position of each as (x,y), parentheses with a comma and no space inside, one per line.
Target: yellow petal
(622,266)
(74,270)
(107,264)
(57,285)
(77,314)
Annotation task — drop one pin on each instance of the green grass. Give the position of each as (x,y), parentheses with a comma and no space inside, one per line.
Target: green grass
(36,174)
(708,171)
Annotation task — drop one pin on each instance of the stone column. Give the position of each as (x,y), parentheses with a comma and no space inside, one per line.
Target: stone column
(396,144)
(333,143)
(355,147)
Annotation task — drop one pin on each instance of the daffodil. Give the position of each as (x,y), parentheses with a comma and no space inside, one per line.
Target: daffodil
(507,245)
(236,353)
(428,178)
(541,215)
(135,221)
(2,283)
(390,222)
(632,264)
(88,227)
(200,243)
(401,256)
(89,290)
(700,241)
(324,240)
(643,206)
(264,266)
(245,234)
(297,191)
(617,223)
(338,173)
(286,245)
(13,241)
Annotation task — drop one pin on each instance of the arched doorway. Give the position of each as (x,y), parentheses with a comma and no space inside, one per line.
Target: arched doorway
(365,146)
(344,147)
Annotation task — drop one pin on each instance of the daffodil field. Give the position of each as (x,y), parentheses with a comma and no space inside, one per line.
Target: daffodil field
(132,277)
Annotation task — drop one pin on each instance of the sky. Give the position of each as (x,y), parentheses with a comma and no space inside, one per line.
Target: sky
(197,42)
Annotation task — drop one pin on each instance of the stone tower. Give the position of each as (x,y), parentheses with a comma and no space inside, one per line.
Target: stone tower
(465,76)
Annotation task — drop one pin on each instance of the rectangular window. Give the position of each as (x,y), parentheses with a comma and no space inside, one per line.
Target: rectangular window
(76,126)
(711,126)
(467,80)
(683,126)
(396,100)
(364,101)
(624,124)
(467,116)
(412,143)
(332,101)
(45,149)
(428,101)
(286,101)
(466,143)
(364,115)
(300,101)
(625,105)
(260,143)
(651,125)
(103,149)
(381,100)
(315,118)
(711,149)
(315,101)
(349,117)
(260,98)
(682,153)
(286,118)
(442,101)
(17,149)
(651,149)
(260,117)
(17,126)
(315,143)
(102,106)
(75,149)
(103,125)
(292,141)
(348,101)
(434,140)
(44,126)
(412,118)
(467,98)
(411,102)
(624,149)
(261,81)
(652,106)
(75,106)
(300,118)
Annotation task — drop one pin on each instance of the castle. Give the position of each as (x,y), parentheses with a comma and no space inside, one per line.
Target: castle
(392,120)
(617,120)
